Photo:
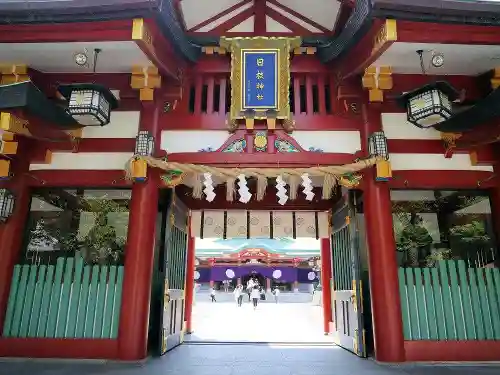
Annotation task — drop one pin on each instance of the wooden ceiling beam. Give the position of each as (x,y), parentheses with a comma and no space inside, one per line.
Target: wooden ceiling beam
(219,15)
(299,16)
(232,22)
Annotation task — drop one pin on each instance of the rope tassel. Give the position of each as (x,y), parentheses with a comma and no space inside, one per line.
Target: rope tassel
(230,189)
(328,184)
(261,187)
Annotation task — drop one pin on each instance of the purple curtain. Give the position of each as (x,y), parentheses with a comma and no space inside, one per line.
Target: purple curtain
(204,275)
(288,274)
(303,275)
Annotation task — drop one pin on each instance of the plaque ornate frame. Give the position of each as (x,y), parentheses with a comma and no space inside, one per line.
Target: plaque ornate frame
(285,45)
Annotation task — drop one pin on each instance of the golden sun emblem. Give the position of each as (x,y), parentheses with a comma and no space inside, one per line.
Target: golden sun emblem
(260,141)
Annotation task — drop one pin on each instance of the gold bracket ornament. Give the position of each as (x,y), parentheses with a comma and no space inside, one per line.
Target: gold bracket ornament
(449,140)
(260,79)
(376,80)
(495,80)
(145,79)
(13,74)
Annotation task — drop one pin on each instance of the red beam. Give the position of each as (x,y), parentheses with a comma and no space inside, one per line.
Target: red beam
(482,135)
(219,15)
(299,16)
(449,350)
(160,52)
(362,55)
(259,20)
(216,64)
(415,146)
(484,155)
(118,30)
(441,180)
(288,23)
(245,33)
(78,178)
(262,160)
(232,22)
(270,202)
(186,121)
(447,33)
(59,348)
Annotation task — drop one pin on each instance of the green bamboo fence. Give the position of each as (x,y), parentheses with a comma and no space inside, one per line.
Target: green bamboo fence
(68,300)
(450,302)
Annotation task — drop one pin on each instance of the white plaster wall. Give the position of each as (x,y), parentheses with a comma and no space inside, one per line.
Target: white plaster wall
(348,142)
(174,141)
(396,126)
(85,161)
(123,124)
(458,162)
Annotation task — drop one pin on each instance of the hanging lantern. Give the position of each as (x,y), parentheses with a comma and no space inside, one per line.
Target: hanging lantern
(377,147)
(430,104)
(144,143)
(89,104)
(6,204)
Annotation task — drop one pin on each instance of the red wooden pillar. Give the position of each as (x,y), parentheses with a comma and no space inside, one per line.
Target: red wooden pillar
(11,233)
(189,281)
(495,201)
(382,262)
(326,276)
(139,254)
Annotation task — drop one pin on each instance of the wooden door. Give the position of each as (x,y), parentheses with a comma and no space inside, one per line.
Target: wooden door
(174,277)
(347,288)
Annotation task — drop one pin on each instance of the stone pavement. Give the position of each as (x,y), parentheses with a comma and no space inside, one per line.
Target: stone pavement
(270,322)
(211,359)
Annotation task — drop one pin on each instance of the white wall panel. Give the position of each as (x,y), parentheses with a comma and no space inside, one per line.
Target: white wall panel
(85,161)
(123,124)
(396,126)
(174,141)
(458,162)
(348,142)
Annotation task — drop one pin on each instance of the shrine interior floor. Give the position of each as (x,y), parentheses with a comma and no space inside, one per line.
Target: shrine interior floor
(260,359)
(270,322)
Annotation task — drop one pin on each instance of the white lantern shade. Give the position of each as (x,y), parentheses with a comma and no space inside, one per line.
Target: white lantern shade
(277,274)
(89,108)
(89,104)
(6,204)
(377,145)
(144,143)
(430,105)
(230,273)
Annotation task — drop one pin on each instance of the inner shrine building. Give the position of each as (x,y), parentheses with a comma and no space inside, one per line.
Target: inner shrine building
(129,129)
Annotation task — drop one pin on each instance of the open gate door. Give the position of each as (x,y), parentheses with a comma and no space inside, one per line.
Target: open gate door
(174,271)
(347,300)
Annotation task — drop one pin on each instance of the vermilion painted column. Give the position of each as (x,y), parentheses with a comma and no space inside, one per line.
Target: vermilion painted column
(382,262)
(495,201)
(326,276)
(11,233)
(139,255)
(189,283)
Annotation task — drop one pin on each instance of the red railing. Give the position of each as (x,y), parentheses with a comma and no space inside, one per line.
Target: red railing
(310,94)
(207,98)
